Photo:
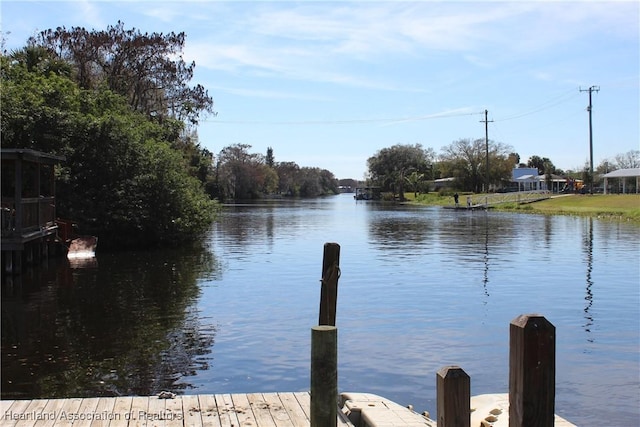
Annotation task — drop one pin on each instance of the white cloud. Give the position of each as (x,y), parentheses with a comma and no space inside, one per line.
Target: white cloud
(330,42)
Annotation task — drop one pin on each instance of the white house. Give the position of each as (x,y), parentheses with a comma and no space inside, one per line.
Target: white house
(529,180)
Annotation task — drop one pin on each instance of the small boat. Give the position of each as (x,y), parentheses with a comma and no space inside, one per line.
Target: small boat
(82,247)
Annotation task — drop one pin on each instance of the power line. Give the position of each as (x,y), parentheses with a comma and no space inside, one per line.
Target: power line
(541,107)
(544,106)
(347,121)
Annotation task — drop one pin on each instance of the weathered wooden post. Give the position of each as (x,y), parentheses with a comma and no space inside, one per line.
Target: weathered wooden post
(329,290)
(532,371)
(453,394)
(324,376)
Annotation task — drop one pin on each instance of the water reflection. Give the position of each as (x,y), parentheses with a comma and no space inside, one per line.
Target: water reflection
(588,256)
(127,327)
(421,288)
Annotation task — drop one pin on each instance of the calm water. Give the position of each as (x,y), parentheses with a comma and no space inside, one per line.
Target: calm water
(420,288)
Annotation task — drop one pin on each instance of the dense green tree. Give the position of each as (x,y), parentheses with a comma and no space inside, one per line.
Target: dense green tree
(389,167)
(543,164)
(246,175)
(241,173)
(122,179)
(287,178)
(270,160)
(466,160)
(314,182)
(514,158)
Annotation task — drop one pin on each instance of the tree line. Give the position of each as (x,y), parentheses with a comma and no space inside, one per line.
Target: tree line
(241,174)
(475,165)
(117,104)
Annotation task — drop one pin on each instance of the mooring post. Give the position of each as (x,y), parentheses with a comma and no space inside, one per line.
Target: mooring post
(532,371)
(453,394)
(324,376)
(329,290)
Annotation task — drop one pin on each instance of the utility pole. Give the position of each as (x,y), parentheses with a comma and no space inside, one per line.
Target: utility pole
(589,108)
(486,146)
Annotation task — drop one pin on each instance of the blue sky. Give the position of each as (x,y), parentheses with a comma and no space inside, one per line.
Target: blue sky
(330,83)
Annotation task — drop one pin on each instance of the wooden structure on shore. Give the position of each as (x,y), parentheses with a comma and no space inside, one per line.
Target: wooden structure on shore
(28,206)
(219,410)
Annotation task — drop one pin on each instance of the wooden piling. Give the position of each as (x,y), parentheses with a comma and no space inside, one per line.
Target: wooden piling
(532,370)
(453,394)
(329,290)
(324,376)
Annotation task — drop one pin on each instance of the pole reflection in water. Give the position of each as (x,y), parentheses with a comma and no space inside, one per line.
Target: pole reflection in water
(588,250)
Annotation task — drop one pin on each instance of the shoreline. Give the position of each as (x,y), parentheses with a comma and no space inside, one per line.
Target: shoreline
(614,207)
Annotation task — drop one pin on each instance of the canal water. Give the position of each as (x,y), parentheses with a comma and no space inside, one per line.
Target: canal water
(420,288)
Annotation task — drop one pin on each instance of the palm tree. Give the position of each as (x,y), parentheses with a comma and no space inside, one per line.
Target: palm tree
(414,179)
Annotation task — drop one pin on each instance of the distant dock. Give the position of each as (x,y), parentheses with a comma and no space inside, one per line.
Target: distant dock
(468,208)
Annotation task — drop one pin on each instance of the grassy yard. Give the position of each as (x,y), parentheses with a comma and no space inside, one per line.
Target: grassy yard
(624,207)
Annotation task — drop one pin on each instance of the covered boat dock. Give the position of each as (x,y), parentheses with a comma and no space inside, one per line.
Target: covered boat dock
(28,205)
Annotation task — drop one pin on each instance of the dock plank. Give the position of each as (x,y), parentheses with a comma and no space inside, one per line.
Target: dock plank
(209,411)
(260,410)
(16,409)
(191,411)
(174,412)
(304,399)
(293,408)
(86,410)
(276,408)
(242,409)
(226,411)
(53,409)
(5,405)
(137,415)
(155,413)
(105,406)
(32,413)
(68,413)
(284,409)
(121,411)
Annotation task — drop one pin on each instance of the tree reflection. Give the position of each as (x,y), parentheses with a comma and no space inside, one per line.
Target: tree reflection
(127,327)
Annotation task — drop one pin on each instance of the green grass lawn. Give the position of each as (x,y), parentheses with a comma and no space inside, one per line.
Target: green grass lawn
(615,206)
(625,207)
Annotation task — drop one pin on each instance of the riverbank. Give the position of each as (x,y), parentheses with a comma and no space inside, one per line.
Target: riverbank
(622,207)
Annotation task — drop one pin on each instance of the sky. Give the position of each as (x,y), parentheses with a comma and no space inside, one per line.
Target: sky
(330,83)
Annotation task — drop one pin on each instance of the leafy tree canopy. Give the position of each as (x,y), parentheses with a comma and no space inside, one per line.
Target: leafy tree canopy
(466,160)
(246,175)
(146,69)
(390,167)
(543,164)
(123,179)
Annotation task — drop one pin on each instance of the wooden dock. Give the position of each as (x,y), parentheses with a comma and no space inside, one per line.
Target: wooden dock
(204,410)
